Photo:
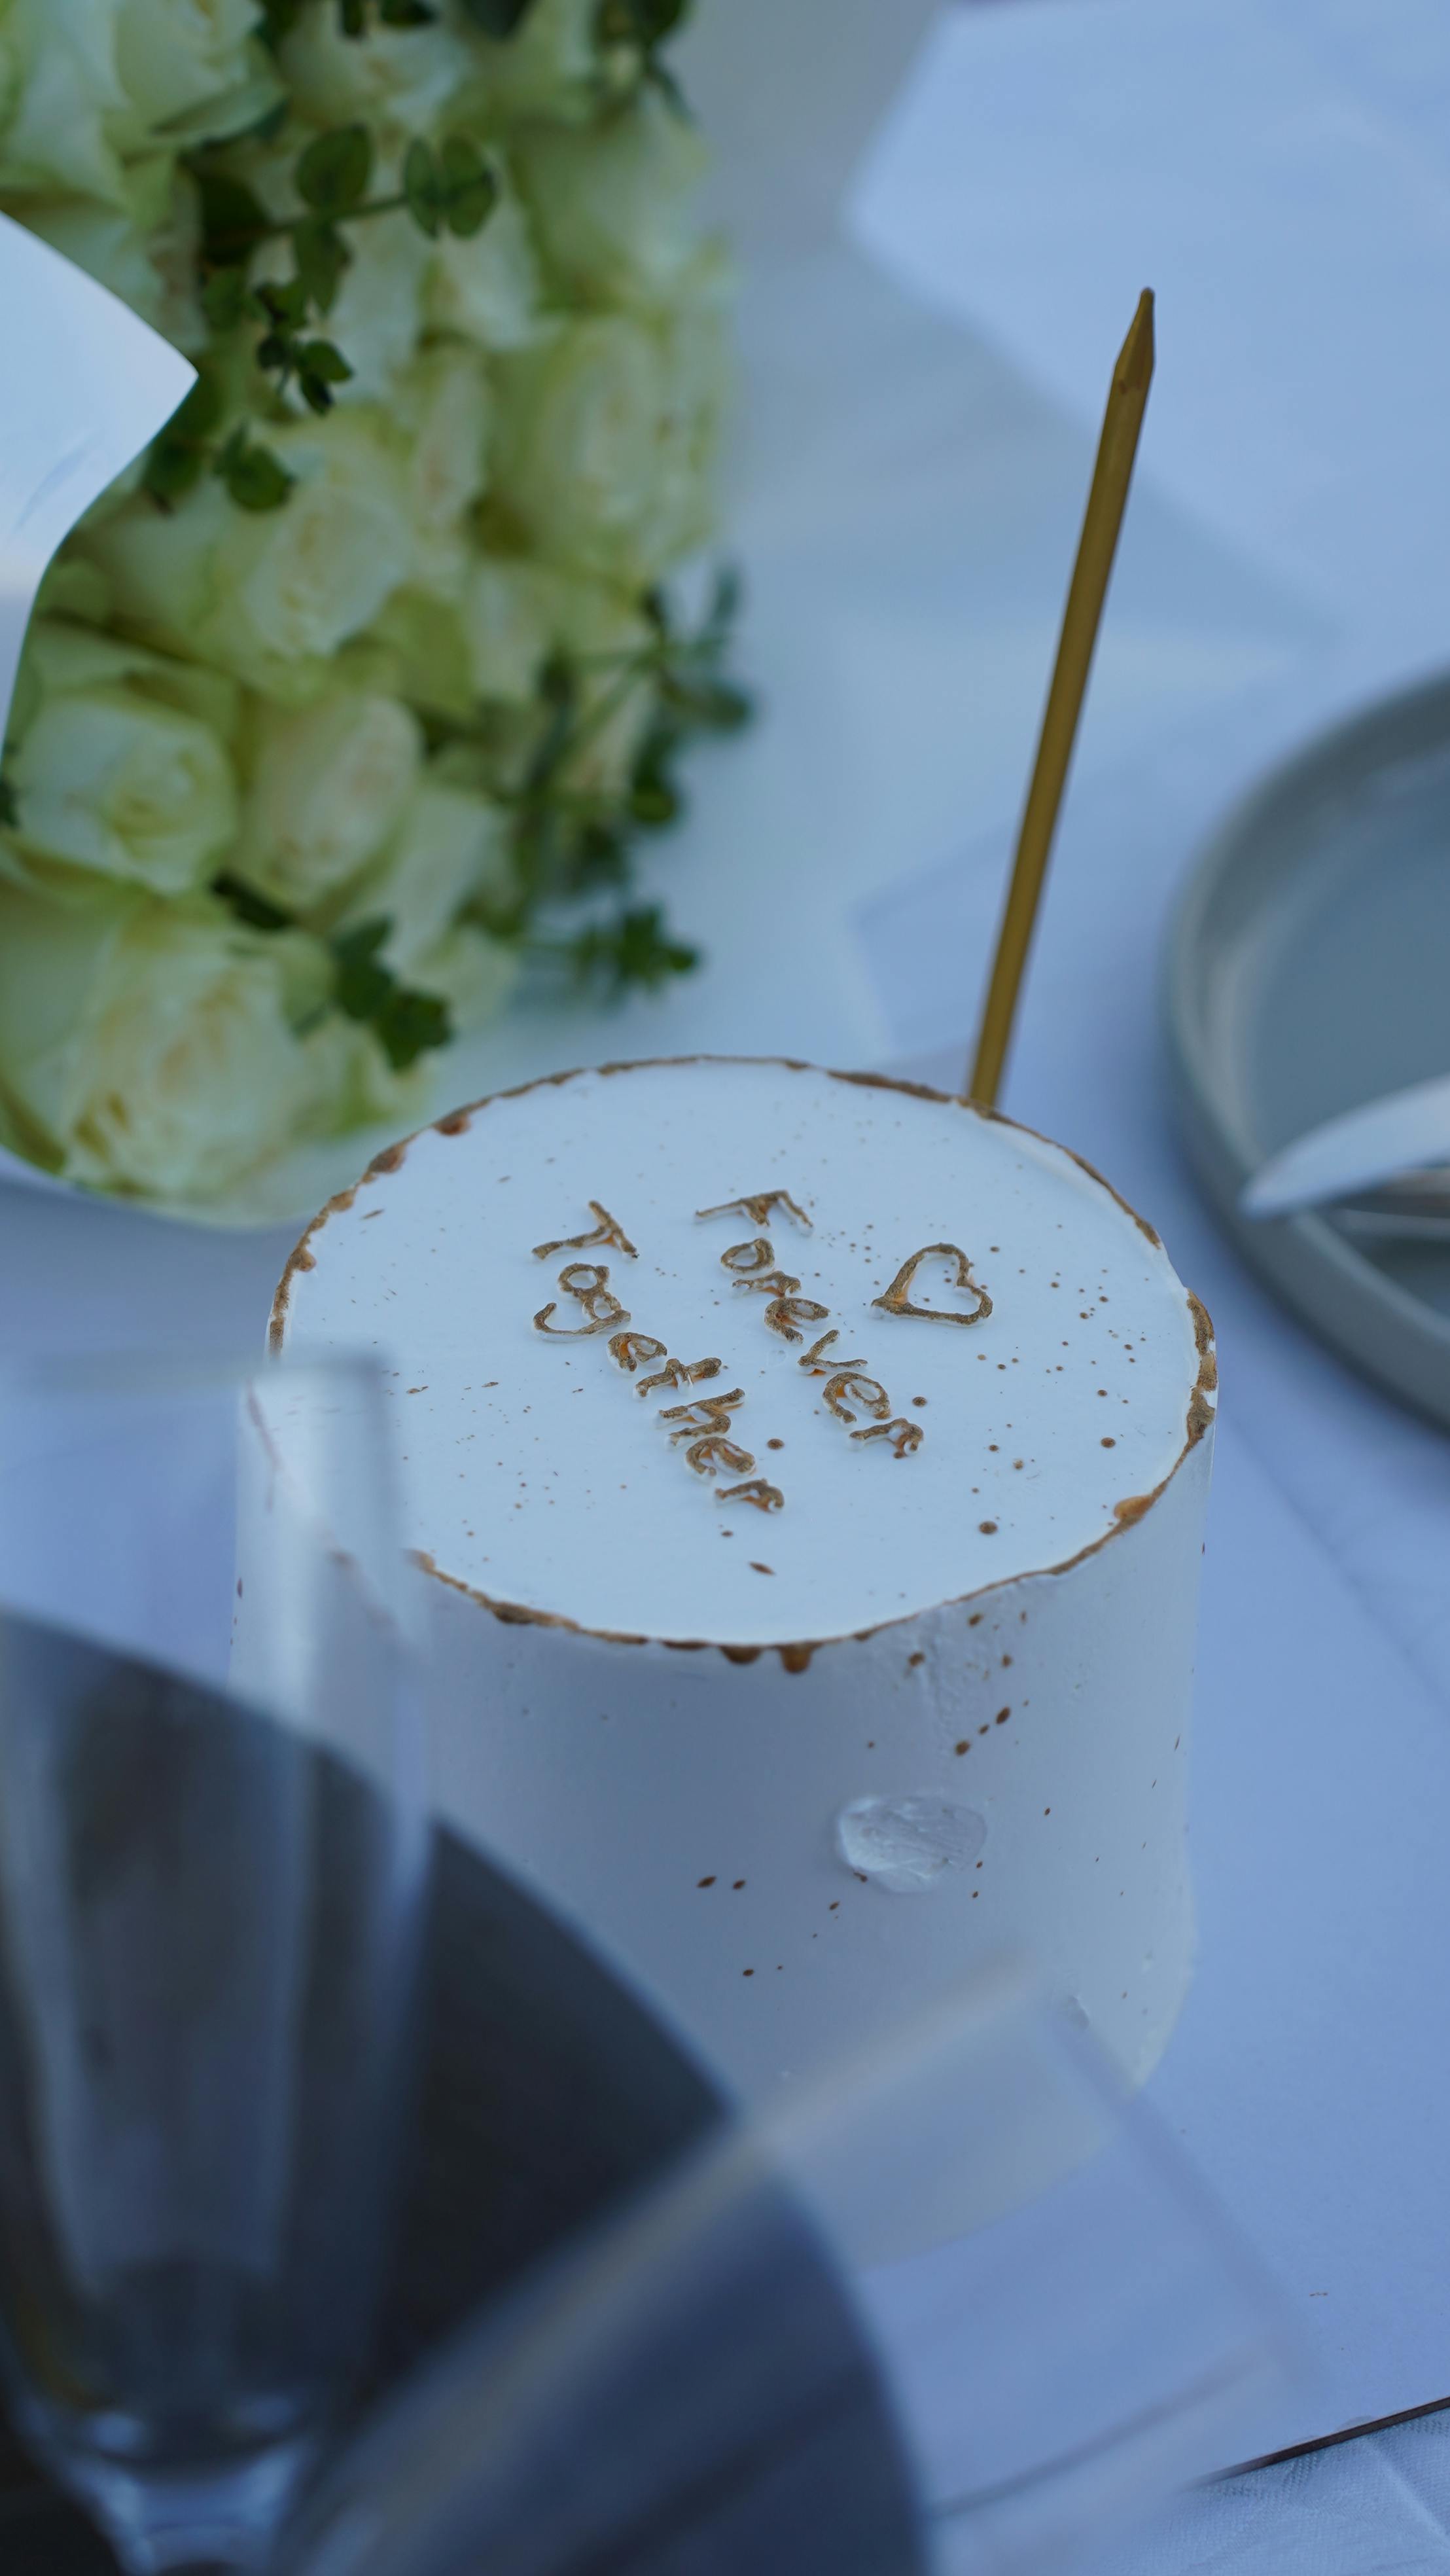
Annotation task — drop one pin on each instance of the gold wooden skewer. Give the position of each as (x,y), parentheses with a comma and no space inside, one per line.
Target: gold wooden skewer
(1102,519)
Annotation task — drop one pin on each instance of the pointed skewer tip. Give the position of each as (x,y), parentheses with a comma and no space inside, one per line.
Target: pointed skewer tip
(1134,370)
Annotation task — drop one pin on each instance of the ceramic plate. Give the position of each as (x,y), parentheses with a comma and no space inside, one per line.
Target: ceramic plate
(1309,971)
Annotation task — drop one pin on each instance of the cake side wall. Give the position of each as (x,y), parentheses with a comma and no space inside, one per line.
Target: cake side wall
(1016,1761)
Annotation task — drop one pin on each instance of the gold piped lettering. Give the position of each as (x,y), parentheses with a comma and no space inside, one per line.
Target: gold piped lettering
(703,1413)
(851,1386)
(897,1298)
(634,1350)
(815,1363)
(680,1373)
(785,1315)
(766,1498)
(745,1258)
(589,1282)
(904,1436)
(702,1424)
(850,1390)
(775,1283)
(709,1455)
(607,1230)
(758,1206)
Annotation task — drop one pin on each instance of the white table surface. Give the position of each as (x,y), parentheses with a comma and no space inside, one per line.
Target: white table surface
(1260,591)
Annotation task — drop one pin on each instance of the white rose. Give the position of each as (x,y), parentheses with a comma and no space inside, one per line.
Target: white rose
(84,84)
(451,845)
(441,408)
(612,202)
(473,974)
(517,613)
(269,594)
(607,438)
(146,258)
(173,55)
(353,1081)
(153,1047)
(393,79)
(376,316)
(422,647)
(325,786)
(551,66)
(509,611)
(61,98)
(109,773)
(486,287)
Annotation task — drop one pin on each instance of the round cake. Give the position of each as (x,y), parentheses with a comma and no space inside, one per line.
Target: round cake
(810,1474)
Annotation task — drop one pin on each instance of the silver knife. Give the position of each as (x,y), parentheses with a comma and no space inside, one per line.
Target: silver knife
(1405,1132)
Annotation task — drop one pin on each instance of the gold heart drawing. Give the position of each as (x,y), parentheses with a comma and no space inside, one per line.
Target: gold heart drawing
(897,1298)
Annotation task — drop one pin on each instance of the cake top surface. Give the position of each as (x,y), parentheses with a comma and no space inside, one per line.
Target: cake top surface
(656,1336)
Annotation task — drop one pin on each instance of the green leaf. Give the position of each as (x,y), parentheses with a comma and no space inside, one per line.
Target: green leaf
(322,358)
(332,174)
(600,858)
(363,985)
(498,18)
(322,256)
(9,811)
(233,220)
(724,608)
(406,13)
(285,301)
(255,477)
(178,457)
(645,23)
(423,189)
(250,907)
(279,17)
(470,190)
(351,17)
(320,366)
(559,691)
(224,299)
(408,1023)
(172,468)
(659,76)
(717,706)
(634,949)
(201,412)
(660,18)
(654,800)
(405,1022)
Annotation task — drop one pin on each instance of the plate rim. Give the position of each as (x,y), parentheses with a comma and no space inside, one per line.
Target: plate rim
(1321,1274)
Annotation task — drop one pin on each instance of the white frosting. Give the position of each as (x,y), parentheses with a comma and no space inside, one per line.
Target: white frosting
(540,1477)
(970,1740)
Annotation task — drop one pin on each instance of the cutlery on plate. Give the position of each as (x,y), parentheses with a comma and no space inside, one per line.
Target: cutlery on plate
(1387,1163)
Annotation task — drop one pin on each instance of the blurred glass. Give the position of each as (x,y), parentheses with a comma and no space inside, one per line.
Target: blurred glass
(765,2364)
(212,1864)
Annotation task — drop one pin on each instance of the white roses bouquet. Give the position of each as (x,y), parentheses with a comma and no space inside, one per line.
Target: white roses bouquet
(351,698)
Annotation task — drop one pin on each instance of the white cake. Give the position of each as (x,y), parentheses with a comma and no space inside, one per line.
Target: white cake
(811,1472)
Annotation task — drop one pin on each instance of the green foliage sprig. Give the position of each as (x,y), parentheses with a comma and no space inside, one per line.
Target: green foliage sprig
(451,190)
(279,17)
(189,447)
(571,843)
(405,1021)
(633,948)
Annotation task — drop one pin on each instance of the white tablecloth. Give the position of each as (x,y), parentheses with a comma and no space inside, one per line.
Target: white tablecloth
(1287,553)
